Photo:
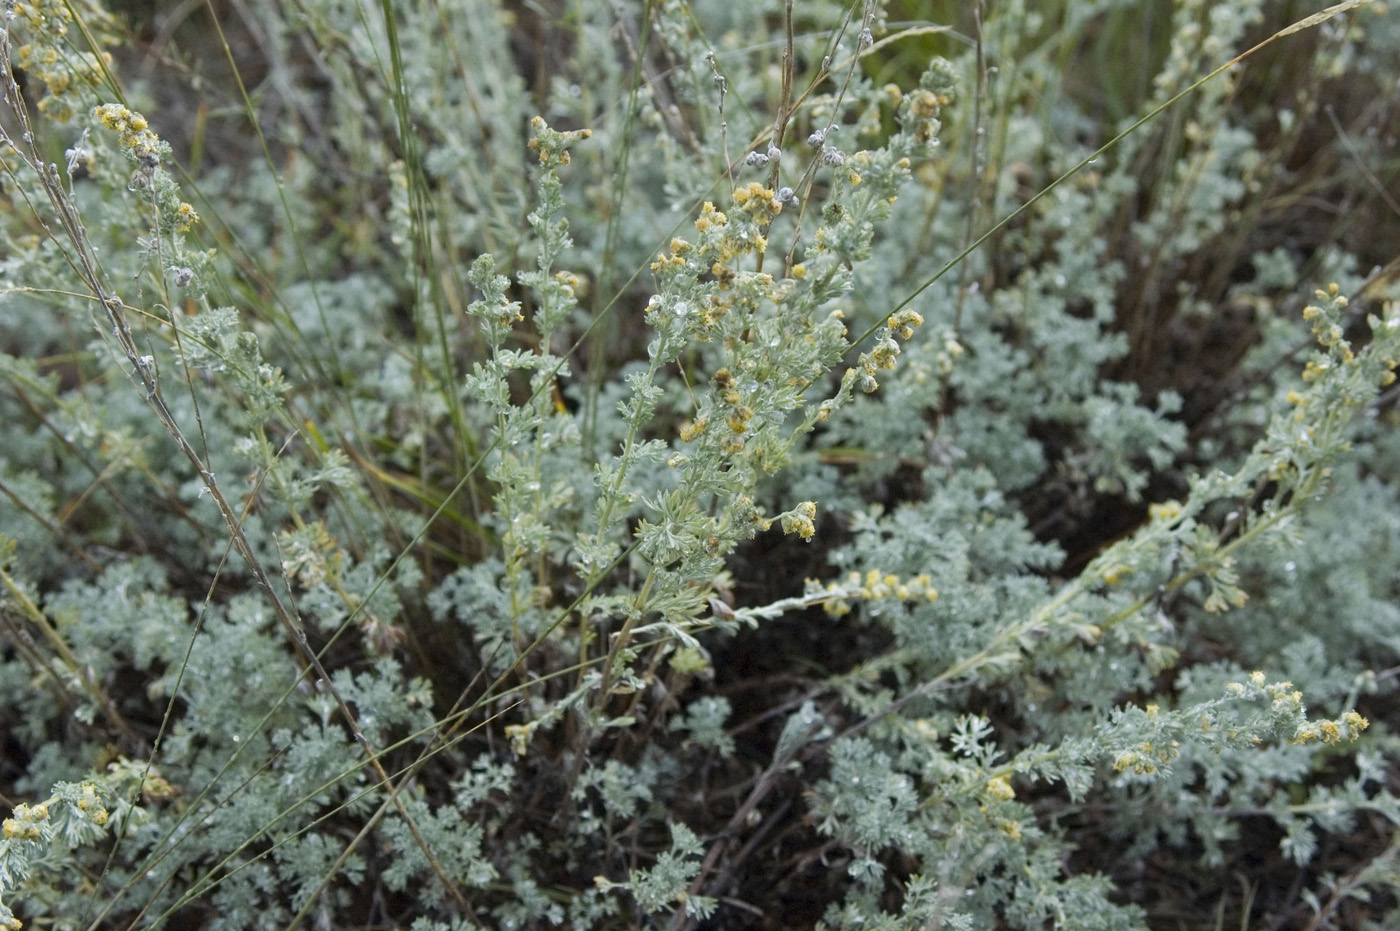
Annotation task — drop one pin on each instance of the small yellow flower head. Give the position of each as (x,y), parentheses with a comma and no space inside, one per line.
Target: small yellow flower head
(133,135)
(1167,510)
(1116,573)
(1257,678)
(904,322)
(709,216)
(185,217)
(25,824)
(838,608)
(1130,759)
(552,144)
(801,520)
(758,201)
(570,282)
(520,734)
(1000,787)
(693,428)
(114,116)
(1355,724)
(925,104)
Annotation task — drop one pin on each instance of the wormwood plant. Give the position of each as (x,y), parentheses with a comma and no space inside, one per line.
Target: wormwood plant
(695,464)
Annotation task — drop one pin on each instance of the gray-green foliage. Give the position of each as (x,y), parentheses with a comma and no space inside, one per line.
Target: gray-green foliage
(562,465)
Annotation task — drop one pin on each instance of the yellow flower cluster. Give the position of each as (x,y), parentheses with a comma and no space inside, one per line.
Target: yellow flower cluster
(92,806)
(1348,727)
(692,429)
(553,144)
(571,283)
(28,824)
(134,132)
(1146,758)
(1287,699)
(873,586)
(801,520)
(903,322)
(25,824)
(738,419)
(1165,511)
(923,107)
(999,787)
(520,736)
(48,56)
(44,16)
(143,147)
(709,216)
(1328,332)
(185,217)
(673,262)
(882,357)
(722,238)
(759,202)
(925,104)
